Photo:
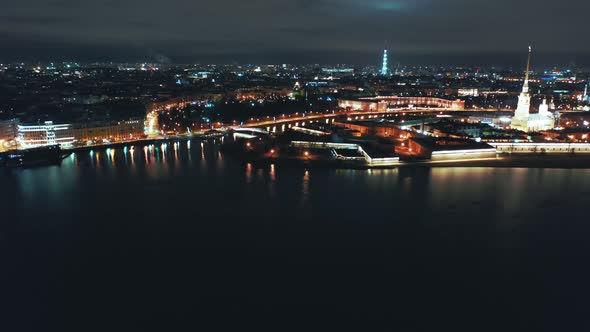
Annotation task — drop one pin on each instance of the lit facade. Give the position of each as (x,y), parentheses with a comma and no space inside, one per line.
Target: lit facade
(522,119)
(383,103)
(31,136)
(152,124)
(116,131)
(450,149)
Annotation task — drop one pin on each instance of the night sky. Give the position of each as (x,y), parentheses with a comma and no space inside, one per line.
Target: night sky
(292,31)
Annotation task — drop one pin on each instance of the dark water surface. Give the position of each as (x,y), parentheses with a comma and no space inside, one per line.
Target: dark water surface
(183,238)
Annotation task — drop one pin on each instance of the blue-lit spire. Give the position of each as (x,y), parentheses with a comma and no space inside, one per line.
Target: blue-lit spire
(384,69)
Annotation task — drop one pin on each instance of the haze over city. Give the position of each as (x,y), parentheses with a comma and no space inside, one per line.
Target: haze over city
(303,31)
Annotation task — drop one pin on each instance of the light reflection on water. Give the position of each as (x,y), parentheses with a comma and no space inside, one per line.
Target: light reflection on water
(115,219)
(508,196)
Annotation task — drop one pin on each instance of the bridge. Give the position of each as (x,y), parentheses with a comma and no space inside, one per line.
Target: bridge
(286,122)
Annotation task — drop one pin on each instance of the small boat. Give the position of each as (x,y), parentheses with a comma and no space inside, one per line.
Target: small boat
(46,155)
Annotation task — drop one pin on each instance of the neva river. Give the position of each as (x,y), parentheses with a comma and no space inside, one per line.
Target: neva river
(180,237)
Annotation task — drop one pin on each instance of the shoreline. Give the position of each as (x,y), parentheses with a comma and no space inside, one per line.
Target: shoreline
(554,161)
(503,160)
(146,141)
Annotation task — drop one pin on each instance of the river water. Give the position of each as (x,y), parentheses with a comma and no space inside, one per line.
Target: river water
(180,237)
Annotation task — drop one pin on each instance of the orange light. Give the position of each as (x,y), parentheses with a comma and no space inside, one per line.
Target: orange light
(272,151)
(306,153)
(248,144)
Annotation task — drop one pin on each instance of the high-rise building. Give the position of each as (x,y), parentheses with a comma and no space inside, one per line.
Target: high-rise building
(385,68)
(522,119)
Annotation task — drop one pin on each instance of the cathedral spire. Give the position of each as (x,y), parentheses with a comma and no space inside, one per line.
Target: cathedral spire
(528,65)
(525,87)
(521,115)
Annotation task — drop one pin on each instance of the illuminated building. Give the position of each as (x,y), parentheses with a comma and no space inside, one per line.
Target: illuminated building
(8,134)
(338,71)
(468,92)
(298,92)
(31,136)
(260,93)
(375,128)
(108,132)
(522,119)
(524,100)
(152,124)
(384,67)
(384,103)
(447,149)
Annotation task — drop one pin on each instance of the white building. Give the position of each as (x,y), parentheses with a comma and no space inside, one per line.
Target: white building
(31,136)
(523,119)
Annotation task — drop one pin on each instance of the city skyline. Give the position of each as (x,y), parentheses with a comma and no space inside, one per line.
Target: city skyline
(507,61)
(294,165)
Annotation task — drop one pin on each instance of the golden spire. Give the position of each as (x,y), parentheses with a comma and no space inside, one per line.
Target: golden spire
(528,65)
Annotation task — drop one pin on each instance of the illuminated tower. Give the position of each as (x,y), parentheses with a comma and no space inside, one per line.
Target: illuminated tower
(521,114)
(523,119)
(384,68)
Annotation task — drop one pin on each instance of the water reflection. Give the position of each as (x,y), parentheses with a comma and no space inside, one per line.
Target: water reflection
(249,173)
(272,172)
(305,188)
(509,196)
(164,147)
(176,150)
(132,154)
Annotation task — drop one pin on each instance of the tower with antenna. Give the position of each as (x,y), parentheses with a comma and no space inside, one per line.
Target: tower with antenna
(385,66)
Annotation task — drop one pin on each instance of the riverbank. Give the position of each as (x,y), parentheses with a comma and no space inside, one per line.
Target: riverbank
(517,161)
(146,141)
(502,161)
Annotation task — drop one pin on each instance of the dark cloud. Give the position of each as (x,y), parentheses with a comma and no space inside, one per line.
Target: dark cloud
(306,4)
(188,28)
